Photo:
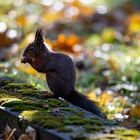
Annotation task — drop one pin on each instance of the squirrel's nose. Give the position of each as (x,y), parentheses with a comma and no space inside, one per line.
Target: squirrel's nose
(24,60)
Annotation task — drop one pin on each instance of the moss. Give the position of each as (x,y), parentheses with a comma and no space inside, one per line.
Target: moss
(127,132)
(68,109)
(80,138)
(43,118)
(64,129)
(28,92)
(80,113)
(56,103)
(111,122)
(24,107)
(4,96)
(52,123)
(34,103)
(4,93)
(4,99)
(94,121)
(110,137)
(15,86)
(5,80)
(75,120)
(79,119)
(12,102)
(93,128)
(10,94)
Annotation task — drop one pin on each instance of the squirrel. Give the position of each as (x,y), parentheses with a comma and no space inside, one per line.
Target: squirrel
(60,73)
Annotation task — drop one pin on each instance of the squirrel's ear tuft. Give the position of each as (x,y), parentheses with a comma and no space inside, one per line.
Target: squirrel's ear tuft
(39,36)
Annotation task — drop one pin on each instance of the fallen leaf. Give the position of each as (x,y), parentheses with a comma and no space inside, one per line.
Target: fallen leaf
(66,43)
(105,98)
(24,136)
(6,41)
(135,111)
(92,96)
(133,23)
(113,64)
(22,21)
(31,132)
(9,133)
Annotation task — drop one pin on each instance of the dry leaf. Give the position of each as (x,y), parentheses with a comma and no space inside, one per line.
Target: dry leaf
(113,64)
(5,41)
(65,43)
(9,133)
(11,136)
(22,21)
(25,137)
(50,17)
(102,100)
(105,98)
(133,23)
(92,96)
(31,132)
(135,111)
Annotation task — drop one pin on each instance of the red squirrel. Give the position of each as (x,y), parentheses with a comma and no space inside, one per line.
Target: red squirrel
(60,72)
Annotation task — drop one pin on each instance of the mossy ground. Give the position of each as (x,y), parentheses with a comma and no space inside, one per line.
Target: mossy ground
(56,114)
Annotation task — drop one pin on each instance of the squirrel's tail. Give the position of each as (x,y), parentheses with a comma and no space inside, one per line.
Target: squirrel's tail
(82,101)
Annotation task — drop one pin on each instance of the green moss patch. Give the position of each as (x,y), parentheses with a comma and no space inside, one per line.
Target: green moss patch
(64,129)
(72,110)
(81,138)
(15,86)
(5,93)
(20,105)
(109,137)
(120,134)
(127,132)
(43,118)
(80,113)
(28,92)
(25,107)
(5,80)
(93,128)
(56,103)
(75,120)
(12,102)
(34,103)
(94,121)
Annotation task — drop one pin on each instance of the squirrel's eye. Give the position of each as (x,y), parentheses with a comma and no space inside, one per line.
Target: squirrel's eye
(31,49)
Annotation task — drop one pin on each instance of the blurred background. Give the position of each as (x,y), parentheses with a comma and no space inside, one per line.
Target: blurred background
(101,36)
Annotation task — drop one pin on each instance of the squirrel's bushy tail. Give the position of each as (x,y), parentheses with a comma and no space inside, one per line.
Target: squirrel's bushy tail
(82,101)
